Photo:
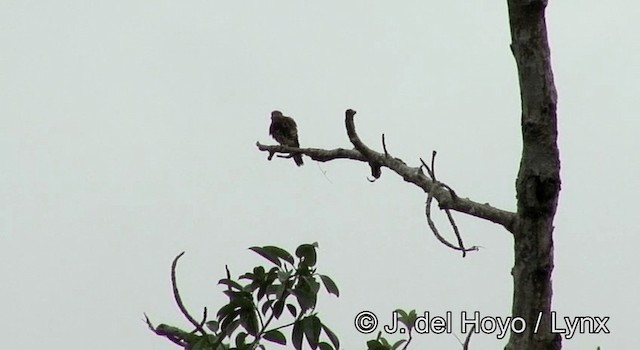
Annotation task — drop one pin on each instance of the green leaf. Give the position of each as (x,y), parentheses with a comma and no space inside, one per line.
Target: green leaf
(284,276)
(312,328)
(227,324)
(296,334)
(330,285)
(412,316)
(332,336)
(274,289)
(225,310)
(247,276)
(375,345)
(280,253)
(314,286)
(212,325)
(262,291)
(411,320)
(249,321)
(228,328)
(292,310)
(307,254)
(240,299)
(258,271)
(240,339)
(273,272)
(202,344)
(401,314)
(306,298)
(266,306)
(275,336)
(278,307)
(266,254)
(231,284)
(407,319)
(274,254)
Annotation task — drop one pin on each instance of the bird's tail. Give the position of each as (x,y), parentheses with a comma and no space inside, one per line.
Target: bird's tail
(298,159)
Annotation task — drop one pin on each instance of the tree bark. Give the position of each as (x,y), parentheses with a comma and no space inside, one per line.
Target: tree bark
(538,182)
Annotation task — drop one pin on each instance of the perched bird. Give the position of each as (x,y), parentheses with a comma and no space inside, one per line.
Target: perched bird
(285,131)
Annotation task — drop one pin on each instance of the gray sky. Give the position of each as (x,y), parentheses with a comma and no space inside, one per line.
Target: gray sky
(128,133)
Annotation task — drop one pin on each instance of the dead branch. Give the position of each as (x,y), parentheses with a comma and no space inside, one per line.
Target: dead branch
(465,346)
(446,197)
(436,232)
(178,299)
(432,173)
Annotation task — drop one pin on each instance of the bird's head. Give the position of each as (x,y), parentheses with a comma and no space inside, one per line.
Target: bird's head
(276,114)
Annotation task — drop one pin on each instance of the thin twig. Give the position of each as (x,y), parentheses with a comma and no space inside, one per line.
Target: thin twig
(429,172)
(433,227)
(465,346)
(458,236)
(433,167)
(451,191)
(447,211)
(384,146)
(204,318)
(435,231)
(408,340)
(456,231)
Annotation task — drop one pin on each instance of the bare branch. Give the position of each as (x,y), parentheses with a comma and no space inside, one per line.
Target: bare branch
(432,171)
(457,233)
(317,154)
(176,295)
(445,196)
(435,231)
(433,165)
(371,155)
(384,146)
(465,346)
(204,317)
(429,172)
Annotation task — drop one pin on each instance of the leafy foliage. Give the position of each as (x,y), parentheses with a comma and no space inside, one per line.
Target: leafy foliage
(406,320)
(257,301)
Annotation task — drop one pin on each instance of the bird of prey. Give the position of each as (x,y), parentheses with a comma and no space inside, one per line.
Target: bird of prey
(285,131)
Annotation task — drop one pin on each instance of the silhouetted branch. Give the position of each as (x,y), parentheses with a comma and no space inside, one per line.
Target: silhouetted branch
(371,155)
(429,172)
(317,154)
(204,318)
(435,231)
(432,173)
(384,146)
(465,346)
(446,197)
(176,295)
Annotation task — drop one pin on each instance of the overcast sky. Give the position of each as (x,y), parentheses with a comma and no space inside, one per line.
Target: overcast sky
(128,131)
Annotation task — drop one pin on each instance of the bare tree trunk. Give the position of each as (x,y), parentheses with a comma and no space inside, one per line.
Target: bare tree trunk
(538,183)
